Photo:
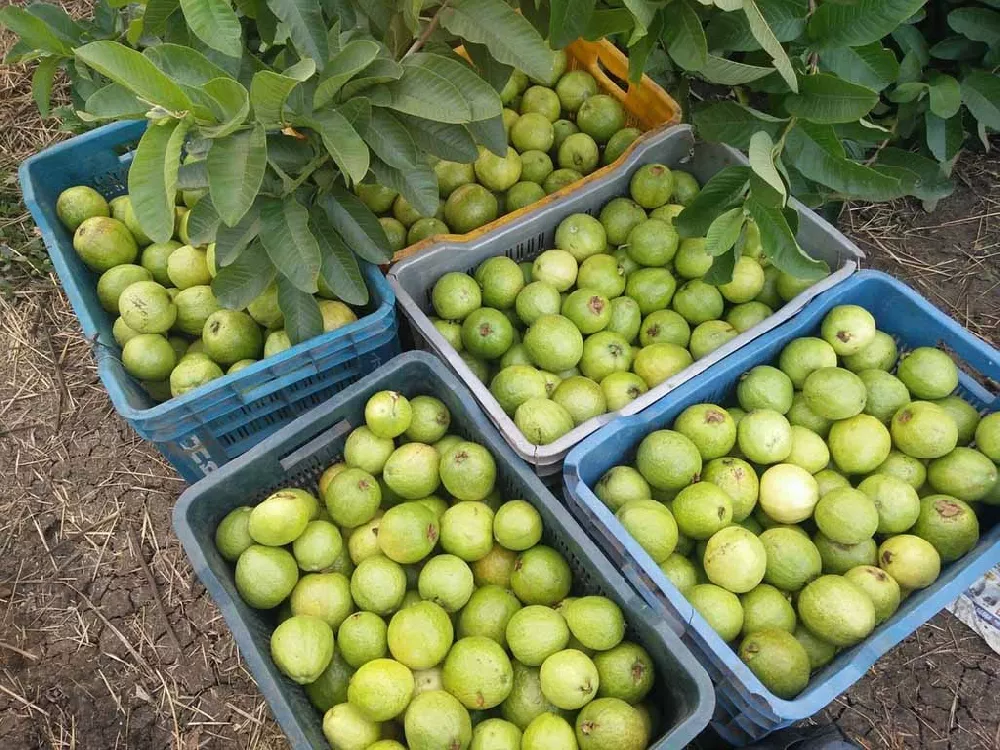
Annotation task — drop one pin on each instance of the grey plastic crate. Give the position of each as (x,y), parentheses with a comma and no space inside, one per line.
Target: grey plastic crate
(413,279)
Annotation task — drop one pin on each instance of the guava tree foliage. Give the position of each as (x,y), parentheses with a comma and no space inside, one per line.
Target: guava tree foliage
(277,108)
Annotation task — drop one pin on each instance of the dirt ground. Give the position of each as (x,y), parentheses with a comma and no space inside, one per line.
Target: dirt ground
(107,640)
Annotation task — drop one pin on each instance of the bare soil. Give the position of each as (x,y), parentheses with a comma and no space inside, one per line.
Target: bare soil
(107,639)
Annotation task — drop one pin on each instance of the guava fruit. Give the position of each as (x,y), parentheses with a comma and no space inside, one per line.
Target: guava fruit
(602,273)
(115,280)
(559,179)
(620,484)
(651,288)
(282,517)
(611,723)
(880,354)
(840,558)
(765,387)
(554,343)
(588,310)
(746,282)
(467,530)
(965,415)
(425,680)
(896,502)
(720,608)
(622,388)
(569,679)
(697,302)
(595,621)
(525,701)
(880,587)
(522,194)
(230,336)
(335,314)
(535,167)
(778,660)
(792,558)
(192,371)
(408,531)
(487,333)
(381,689)
(378,198)
(361,638)
(517,525)
(411,472)
(914,562)
(847,516)
(701,509)
(820,652)
(468,471)
(578,152)
(455,295)
(154,259)
(745,316)
(899,465)
(194,307)
(988,436)
(668,460)
(618,144)
(928,373)
(188,266)
(836,610)
(534,633)
(788,493)
(859,444)
(435,720)
(495,734)
(666,327)
(541,576)
(803,356)
(658,362)
(535,300)
(429,420)
(447,581)
(232,535)
(514,385)
(302,647)
(515,86)
(601,116)
(619,216)
(563,129)
(146,307)
(478,672)
(323,595)
(148,356)
(692,260)
(922,429)
(808,450)
(77,204)
(764,436)
(802,416)
(541,99)
(420,636)
(625,672)
(709,336)
(581,398)
(378,585)
(965,473)
(834,393)
(949,524)
(265,576)
(330,688)
(103,243)
(549,731)
(737,479)
(353,497)
(366,451)
(848,329)
(276,342)
(501,281)
(605,353)
(346,728)
(651,524)
(885,394)
(735,559)
(557,268)
(709,427)
(652,243)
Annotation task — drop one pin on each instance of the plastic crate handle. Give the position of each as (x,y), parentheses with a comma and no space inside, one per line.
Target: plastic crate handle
(293,459)
(282,381)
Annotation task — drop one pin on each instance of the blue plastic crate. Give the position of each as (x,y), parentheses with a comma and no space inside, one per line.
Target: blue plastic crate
(299,453)
(745,709)
(205,428)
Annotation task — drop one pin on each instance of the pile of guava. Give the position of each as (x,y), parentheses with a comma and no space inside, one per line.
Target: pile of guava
(174,333)
(837,480)
(617,307)
(558,131)
(421,608)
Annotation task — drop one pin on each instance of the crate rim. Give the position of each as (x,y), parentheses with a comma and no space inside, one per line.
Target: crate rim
(872,648)
(699,718)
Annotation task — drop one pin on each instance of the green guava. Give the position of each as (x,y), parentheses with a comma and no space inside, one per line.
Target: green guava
(737,479)
(847,516)
(836,610)
(896,502)
(541,576)
(803,356)
(778,660)
(792,558)
(668,460)
(378,585)
(881,588)
(735,559)
(720,608)
(103,243)
(788,493)
(949,524)
(965,473)
(922,429)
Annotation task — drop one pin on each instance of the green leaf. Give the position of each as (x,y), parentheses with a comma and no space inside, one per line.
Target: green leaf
(725,189)
(303,319)
(977,24)
(41,83)
(236,166)
(114,102)
(642,12)
(157,12)
(568,20)
(269,91)
(238,284)
(944,136)
(351,60)
(817,153)
(59,22)
(640,51)
(732,123)
(910,40)
(381,70)
(908,92)
(724,231)
(862,22)
(684,36)
(184,65)
(490,133)
(722,268)
(981,94)
(304,20)
(417,183)
(945,95)
(783,251)
(231,241)
(342,141)
(216,24)
(825,98)
(33,31)
(871,65)
(232,105)
(358,226)
(731,73)
(340,268)
(390,140)
(605,23)
(437,88)
(358,112)
(290,244)
(134,72)
(770,44)
(152,178)
(203,224)
(731,31)
(957,48)
(449,142)
(509,36)
(931,183)
(761,155)
(495,73)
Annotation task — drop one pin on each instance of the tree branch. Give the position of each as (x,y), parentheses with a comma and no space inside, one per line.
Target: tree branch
(426,34)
